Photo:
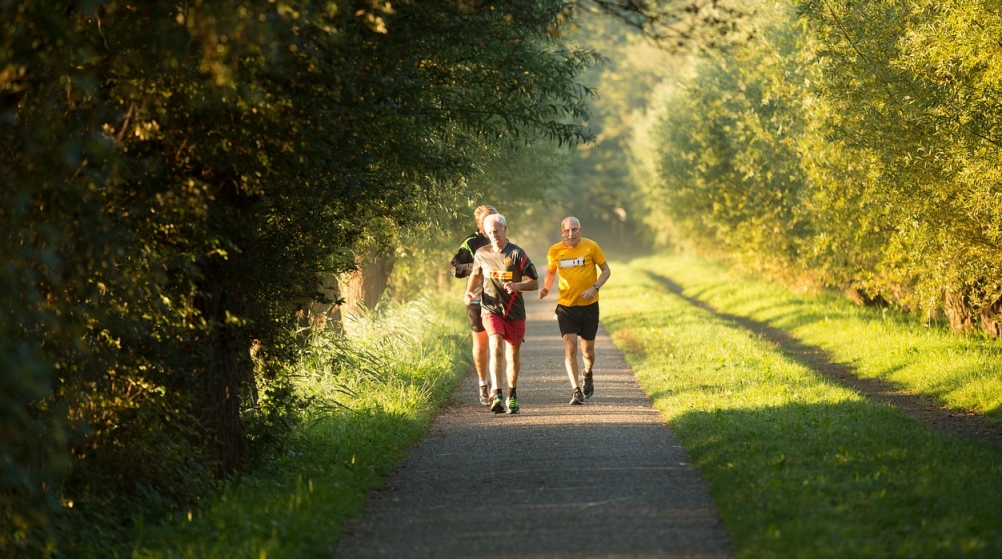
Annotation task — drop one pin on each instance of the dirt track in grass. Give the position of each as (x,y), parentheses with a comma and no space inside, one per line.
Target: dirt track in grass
(912,405)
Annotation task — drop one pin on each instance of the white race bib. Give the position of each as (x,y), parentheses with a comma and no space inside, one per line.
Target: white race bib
(572,262)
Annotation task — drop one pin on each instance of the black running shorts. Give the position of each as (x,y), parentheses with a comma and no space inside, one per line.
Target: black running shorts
(582,321)
(473,313)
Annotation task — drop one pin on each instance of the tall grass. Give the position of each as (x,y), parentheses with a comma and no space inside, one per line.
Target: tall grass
(371,392)
(798,465)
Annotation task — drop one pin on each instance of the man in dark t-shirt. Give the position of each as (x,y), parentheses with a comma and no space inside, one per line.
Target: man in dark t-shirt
(505,271)
(462,265)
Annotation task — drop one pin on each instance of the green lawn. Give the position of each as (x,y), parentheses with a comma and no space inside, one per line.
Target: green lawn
(798,465)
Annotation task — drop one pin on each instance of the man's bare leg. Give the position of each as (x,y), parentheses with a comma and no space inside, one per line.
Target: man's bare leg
(571,362)
(481,361)
(571,358)
(481,358)
(497,371)
(588,352)
(496,343)
(514,366)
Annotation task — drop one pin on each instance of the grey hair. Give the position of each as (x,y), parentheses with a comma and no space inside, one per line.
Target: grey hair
(498,218)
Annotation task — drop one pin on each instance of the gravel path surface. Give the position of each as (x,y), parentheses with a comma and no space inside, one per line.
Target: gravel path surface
(606,479)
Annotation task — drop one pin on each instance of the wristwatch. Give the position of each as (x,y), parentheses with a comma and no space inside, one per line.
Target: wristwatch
(596,287)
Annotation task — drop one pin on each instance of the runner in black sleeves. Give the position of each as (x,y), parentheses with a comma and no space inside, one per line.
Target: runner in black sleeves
(462,265)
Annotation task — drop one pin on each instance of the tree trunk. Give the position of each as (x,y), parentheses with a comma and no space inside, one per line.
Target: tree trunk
(958,311)
(965,316)
(313,314)
(229,369)
(364,286)
(991,318)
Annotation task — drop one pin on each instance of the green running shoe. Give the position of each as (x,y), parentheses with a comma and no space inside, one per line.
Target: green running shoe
(589,386)
(512,405)
(497,404)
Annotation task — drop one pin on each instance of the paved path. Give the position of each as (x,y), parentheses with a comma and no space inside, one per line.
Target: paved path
(606,479)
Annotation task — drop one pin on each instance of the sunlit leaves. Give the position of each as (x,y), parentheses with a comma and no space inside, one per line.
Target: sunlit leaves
(860,143)
(176,179)
(919,103)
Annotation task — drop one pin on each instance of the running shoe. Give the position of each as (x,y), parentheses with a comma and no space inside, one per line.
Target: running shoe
(485,398)
(512,405)
(497,404)
(578,398)
(589,386)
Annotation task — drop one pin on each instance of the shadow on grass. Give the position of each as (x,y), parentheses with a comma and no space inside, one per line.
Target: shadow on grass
(852,479)
(298,505)
(913,405)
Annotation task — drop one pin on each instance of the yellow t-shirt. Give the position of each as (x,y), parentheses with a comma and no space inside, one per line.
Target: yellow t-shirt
(576,269)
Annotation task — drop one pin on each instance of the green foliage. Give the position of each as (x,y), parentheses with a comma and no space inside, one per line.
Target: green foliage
(798,465)
(731,181)
(641,54)
(176,178)
(673,24)
(851,143)
(599,189)
(912,93)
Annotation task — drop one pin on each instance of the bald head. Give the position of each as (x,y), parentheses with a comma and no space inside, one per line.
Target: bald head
(570,230)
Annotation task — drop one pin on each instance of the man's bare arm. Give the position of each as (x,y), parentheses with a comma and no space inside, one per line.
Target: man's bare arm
(547,283)
(525,285)
(592,291)
(604,276)
(476,278)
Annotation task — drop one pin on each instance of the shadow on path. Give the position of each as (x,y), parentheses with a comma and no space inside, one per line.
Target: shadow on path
(606,479)
(912,405)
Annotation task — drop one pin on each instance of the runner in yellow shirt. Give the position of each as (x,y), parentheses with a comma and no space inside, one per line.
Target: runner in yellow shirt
(577,299)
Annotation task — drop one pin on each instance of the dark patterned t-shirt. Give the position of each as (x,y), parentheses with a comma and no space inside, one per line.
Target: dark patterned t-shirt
(510,264)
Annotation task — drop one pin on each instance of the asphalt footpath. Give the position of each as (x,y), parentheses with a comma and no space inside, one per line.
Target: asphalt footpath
(603,479)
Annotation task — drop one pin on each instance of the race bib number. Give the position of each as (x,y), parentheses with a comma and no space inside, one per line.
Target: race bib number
(572,262)
(501,275)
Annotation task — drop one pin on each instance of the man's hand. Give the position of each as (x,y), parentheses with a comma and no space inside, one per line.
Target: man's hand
(544,292)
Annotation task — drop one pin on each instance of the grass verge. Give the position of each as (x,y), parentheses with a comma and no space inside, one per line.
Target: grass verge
(798,465)
(962,372)
(373,395)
